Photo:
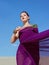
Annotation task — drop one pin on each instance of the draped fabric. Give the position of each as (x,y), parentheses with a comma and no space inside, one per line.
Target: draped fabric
(28,50)
(44,45)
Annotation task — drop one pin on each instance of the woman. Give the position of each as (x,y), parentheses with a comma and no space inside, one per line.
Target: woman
(28,50)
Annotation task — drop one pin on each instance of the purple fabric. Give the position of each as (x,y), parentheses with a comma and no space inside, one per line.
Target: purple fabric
(28,52)
(37,37)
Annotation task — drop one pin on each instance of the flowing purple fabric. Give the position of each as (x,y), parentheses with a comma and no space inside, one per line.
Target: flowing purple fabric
(28,50)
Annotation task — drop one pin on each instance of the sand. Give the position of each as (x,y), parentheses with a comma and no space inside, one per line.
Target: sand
(7,61)
(11,60)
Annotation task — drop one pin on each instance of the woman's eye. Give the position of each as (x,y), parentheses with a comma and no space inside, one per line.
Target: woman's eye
(24,15)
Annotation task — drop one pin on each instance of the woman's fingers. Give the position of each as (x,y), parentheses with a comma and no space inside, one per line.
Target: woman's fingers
(14,31)
(17,29)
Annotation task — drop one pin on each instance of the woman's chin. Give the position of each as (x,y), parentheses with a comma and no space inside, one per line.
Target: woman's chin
(24,21)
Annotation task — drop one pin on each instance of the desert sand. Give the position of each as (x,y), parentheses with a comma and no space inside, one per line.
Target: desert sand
(44,60)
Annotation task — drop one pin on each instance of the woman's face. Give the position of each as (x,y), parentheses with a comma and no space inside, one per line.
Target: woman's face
(24,17)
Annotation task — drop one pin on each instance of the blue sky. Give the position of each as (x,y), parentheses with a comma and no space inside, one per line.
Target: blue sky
(10,19)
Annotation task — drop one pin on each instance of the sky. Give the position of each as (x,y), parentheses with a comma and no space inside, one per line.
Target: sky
(10,19)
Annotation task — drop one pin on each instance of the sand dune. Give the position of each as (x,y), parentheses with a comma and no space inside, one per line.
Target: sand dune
(12,61)
(7,61)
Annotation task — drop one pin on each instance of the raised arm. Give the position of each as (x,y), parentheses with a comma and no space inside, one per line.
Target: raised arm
(15,35)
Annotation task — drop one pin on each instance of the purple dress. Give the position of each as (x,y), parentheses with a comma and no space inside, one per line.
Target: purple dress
(28,50)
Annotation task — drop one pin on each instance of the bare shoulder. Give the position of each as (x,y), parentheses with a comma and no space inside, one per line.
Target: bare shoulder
(30,25)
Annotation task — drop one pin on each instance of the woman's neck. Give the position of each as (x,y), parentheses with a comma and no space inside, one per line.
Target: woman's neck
(26,23)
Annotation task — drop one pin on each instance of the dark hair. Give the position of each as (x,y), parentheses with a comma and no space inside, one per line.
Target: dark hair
(25,12)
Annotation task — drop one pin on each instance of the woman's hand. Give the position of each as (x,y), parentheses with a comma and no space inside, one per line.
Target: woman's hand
(17,29)
(15,36)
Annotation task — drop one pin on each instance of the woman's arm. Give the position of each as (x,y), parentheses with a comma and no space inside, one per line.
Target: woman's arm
(15,35)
